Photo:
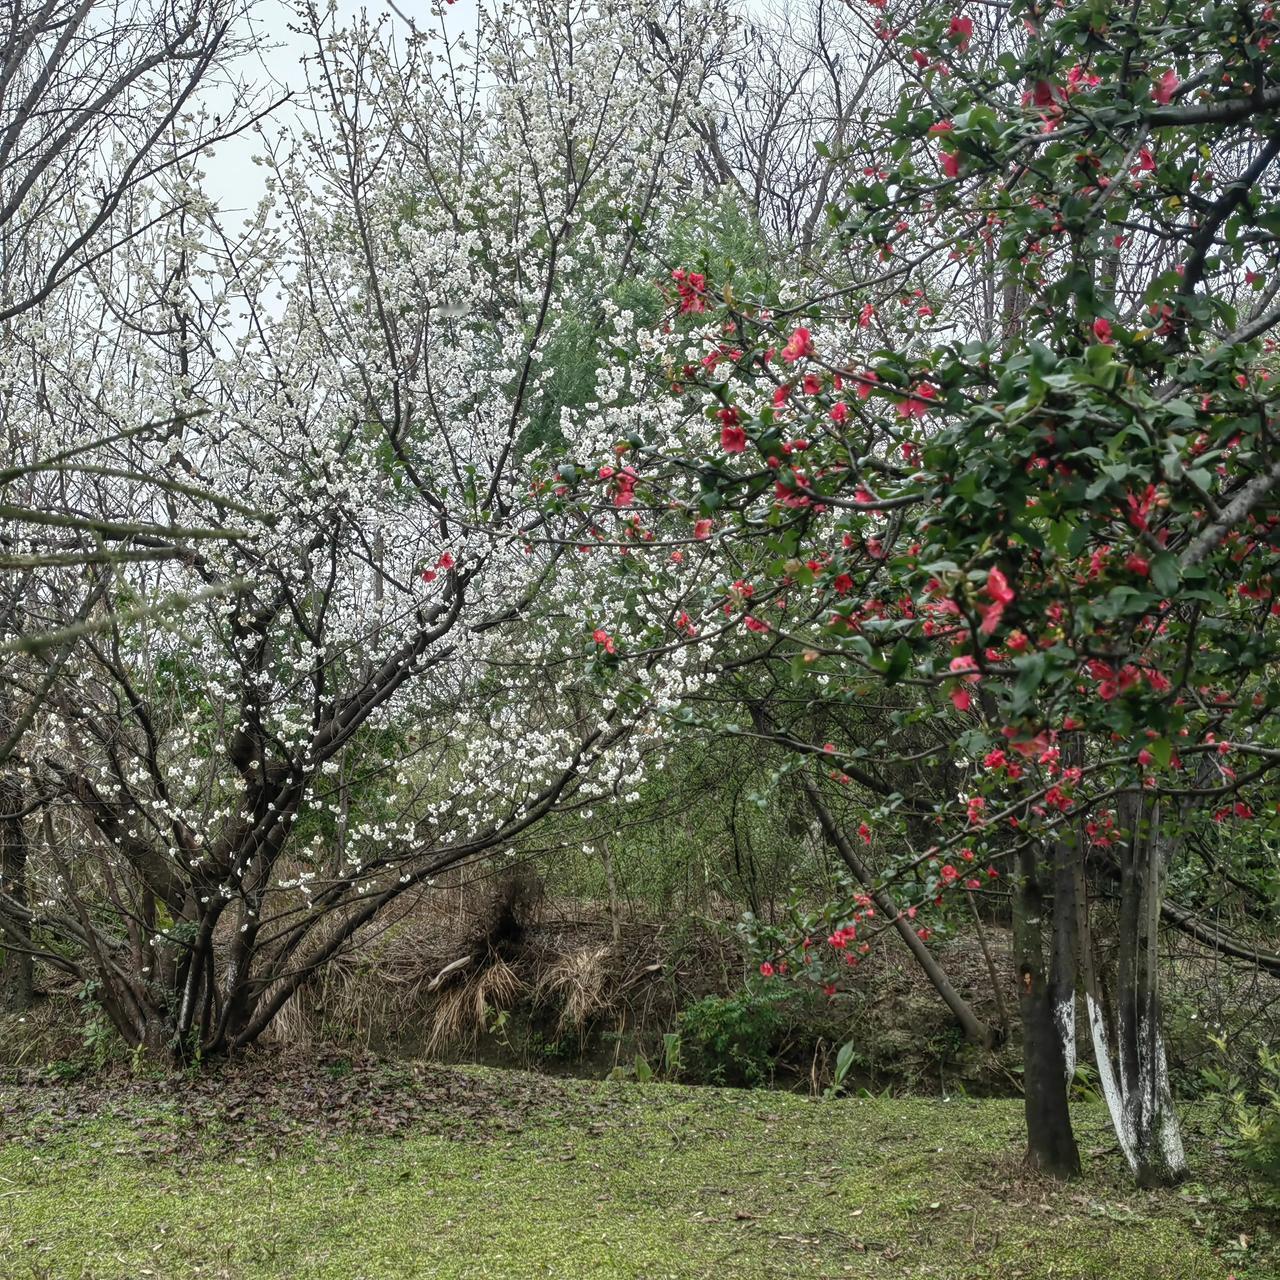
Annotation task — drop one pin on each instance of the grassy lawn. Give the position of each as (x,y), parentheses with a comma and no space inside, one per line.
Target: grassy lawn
(577,1180)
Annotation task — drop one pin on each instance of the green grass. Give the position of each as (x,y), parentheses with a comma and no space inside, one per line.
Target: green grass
(606,1180)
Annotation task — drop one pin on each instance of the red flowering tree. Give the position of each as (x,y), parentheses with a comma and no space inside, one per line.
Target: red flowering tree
(1041,506)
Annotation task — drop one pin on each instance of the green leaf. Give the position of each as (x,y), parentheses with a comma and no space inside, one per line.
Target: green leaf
(1164,573)
(898,663)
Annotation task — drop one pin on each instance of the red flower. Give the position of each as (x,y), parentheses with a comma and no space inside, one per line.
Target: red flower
(626,481)
(916,405)
(1102,331)
(766,970)
(1163,90)
(950,162)
(702,529)
(1001,594)
(1146,162)
(733,439)
(603,639)
(799,345)
(961,30)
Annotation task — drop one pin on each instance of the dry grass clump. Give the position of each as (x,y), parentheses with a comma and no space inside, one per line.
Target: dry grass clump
(464,1009)
(432,976)
(580,982)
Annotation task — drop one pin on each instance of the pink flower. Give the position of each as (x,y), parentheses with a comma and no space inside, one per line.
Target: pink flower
(1163,89)
(766,970)
(916,405)
(603,639)
(702,529)
(799,345)
(998,587)
(1102,331)
(864,316)
(950,162)
(626,480)
(1001,594)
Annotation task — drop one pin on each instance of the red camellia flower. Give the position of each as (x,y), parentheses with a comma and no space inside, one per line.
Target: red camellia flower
(1102,331)
(1001,594)
(603,639)
(961,31)
(1164,88)
(799,345)
(766,970)
(626,490)
(916,405)
(733,439)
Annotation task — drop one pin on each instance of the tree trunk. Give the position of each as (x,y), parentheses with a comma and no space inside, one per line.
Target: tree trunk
(1134,1076)
(1051,1144)
(1158,1157)
(975,1030)
(615,911)
(1062,974)
(16,976)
